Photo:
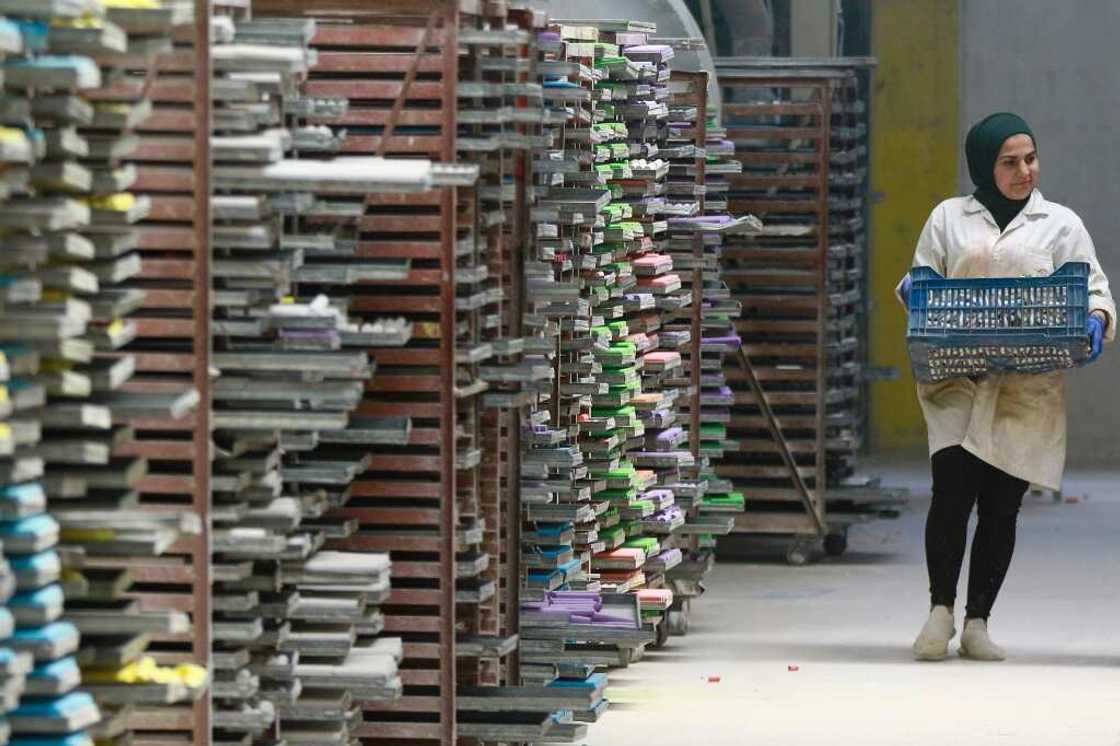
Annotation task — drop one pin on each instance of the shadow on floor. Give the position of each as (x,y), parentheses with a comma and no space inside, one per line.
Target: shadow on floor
(775,557)
(779,652)
(620,681)
(667,653)
(627,706)
(867,558)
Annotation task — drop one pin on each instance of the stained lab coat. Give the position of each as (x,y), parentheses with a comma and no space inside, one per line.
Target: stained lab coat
(1013,421)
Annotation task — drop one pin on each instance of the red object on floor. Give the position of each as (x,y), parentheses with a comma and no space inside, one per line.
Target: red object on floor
(794,668)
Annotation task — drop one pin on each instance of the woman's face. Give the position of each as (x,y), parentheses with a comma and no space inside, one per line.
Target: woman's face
(1016,169)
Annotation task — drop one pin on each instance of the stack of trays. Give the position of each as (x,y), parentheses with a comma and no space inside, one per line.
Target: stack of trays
(847,284)
(642,366)
(297,626)
(629,444)
(134,542)
(116,618)
(698,226)
(500,119)
(852,496)
(495,98)
(713,503)
(562,523)
(579,632)
(23,501)
(521,374)
(71,227)
(268,371)
(374,235)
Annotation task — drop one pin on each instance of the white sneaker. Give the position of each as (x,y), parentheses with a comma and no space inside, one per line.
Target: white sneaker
(977,645)
(933,642)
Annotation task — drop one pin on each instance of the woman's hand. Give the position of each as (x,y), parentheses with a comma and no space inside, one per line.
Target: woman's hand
(1096,336)
(903,290)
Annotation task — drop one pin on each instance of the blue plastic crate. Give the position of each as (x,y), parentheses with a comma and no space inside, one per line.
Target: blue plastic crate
(971,327)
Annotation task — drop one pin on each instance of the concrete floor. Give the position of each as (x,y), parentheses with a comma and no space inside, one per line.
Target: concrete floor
(819,655)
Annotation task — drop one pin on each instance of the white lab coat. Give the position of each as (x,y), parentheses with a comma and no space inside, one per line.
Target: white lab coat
(1015,422)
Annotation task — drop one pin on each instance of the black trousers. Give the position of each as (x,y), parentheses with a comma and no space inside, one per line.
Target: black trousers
(960,481)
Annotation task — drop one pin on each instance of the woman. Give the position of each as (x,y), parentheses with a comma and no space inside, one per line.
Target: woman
(991,437)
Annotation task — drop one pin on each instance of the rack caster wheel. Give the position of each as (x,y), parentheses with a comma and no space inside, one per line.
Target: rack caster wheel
(676,621)
(836,544)
(800,552)
(662,634)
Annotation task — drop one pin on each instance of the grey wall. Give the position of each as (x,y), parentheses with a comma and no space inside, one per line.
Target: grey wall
(1054,63)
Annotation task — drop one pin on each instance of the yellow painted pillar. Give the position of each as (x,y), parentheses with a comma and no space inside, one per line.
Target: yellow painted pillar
(915,139)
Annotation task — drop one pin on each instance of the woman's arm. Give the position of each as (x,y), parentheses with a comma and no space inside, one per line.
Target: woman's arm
(930,251)
(1077,246)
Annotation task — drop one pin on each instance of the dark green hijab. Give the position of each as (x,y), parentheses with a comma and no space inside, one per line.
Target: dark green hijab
(981,148)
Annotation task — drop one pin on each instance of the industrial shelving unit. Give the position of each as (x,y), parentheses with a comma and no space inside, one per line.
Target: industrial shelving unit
(420,497)
(404,502)
(800,129)
(781,278)
(298,624)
